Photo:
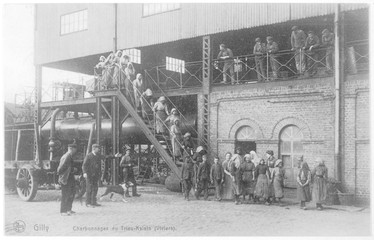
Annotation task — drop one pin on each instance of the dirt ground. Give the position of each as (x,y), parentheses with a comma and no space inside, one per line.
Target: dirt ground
(159,212)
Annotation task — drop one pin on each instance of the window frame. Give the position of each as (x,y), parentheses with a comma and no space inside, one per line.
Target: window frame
(292,154)
(161,11)
(72,23)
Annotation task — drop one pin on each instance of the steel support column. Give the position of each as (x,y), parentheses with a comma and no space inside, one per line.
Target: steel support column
(115,139)
(98,120)
(37,111)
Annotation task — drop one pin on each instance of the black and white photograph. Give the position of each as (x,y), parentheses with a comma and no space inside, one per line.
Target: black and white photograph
(187,119)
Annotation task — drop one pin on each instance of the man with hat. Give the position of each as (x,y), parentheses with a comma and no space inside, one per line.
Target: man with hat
(297,42)
(91,169)
(65,173)
(127,162)
(311,43)
(271,49)
(258,51)
(328,42)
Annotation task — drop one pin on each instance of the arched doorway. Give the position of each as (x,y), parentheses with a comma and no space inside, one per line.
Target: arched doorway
(245,138)
(290,149)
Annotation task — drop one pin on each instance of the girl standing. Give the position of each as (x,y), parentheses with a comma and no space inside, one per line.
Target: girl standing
(247,169)
(262,186)
(278,177)
(303,180)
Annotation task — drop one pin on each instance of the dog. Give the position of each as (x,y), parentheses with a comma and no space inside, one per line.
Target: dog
(119,189)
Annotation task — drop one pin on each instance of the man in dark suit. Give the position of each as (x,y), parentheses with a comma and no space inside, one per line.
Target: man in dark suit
(65,173)
(187,176)
(203,178)
(216,177)
(91,172)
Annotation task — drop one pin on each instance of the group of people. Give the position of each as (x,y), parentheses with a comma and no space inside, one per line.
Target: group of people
(305,49)
(261,179)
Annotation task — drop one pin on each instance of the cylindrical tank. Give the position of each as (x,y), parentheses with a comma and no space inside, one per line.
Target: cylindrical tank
(69,129)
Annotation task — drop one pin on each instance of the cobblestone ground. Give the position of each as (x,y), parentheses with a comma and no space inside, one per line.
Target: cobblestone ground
(160,212)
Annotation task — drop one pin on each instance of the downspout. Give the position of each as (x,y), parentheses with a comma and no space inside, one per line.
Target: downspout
(337,159)
(52,136)
(115,27)
(90,138)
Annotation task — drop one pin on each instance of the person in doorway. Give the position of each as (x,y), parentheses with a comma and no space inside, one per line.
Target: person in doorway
(259,50)
(217,178)
(227,188)
(319,176)
(298,38)
(176,139)
(127,163)
(277,179)
(304,178)
(247,168)
(311,45)
(65,173)
(262,176)
(91,169)
(328,42)
(236,174)
(161,111)
(272,48)
(228,63)
(203,178)
(187,177)
(138,90)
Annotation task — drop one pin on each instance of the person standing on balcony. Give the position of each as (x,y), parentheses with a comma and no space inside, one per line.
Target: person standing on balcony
(129,74)
(311,45)
(328,42)
(117,70)
(109,66)
(298,38)
(272,48)
(138,90)
(319,176)
(259,50)
(100,70)
(161,111)
(228,63)
(176,139)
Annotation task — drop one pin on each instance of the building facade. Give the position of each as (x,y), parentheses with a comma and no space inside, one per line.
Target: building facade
(292,116)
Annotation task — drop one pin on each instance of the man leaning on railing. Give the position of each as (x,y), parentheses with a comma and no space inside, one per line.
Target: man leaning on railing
(297,42)
(328,42)
(311,45)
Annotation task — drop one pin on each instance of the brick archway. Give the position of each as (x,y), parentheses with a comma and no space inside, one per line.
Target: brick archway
(246,122)
(291,121)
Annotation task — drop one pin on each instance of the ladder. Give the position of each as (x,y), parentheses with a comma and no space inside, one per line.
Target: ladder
(144,127)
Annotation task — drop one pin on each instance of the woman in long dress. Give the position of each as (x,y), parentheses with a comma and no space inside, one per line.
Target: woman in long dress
(129,75)
(227,188)
(304,179)
(117,75)
(172,117)
(262,174)
(278,177)
(236,161)
(319,176)
(247,169)
(161,111)
(138,90)
(176,139)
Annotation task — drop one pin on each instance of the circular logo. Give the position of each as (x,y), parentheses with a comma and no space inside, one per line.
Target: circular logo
(19,226)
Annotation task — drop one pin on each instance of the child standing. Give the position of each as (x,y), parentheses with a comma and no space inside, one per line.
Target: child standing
(216,177)
(303,182)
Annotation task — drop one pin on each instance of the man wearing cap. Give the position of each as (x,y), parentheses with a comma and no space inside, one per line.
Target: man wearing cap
(272,48)
(91,169)
(311,43)
(258,50)
(203,174)
(328,42)
(227,55)
(127,162)
(298,42)
(65,173)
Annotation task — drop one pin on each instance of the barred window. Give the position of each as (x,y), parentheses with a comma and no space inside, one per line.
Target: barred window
(175,65)
(74,22)
(156,8)
(134,54)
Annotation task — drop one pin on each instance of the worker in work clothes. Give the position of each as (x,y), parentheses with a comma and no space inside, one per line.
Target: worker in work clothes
(272,48)
(259,50)
(128,173)
(65,173)
(217,178)
(91,169)
(298,38)
(228,64)
(328,42)
(311,45)
(187,176)
(203,178)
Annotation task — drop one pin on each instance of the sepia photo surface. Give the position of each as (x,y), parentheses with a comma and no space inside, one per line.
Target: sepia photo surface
(187,119)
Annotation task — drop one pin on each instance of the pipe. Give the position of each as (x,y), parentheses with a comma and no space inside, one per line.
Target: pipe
(337,164)
(90,137)
(52,135)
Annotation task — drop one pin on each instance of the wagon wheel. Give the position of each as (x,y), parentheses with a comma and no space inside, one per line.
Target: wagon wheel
(27,184)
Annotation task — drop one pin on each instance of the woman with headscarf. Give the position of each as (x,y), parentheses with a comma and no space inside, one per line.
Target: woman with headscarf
(254,158)
(247,168)
(138,90)
(117,75)
(100,70)
(319,176)
(109,65)
(129,75)
(176,138)
(172,117)
(161,111)
(236,161)
(262,174)
(270,161)
(277,179)
(304,178)
(147,104)
(227,188)
(188,145)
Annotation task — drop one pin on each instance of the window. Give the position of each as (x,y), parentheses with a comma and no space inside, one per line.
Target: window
(155,8)
(134,55)
(291,146)
(245,133)
(74,22)
(175,65)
